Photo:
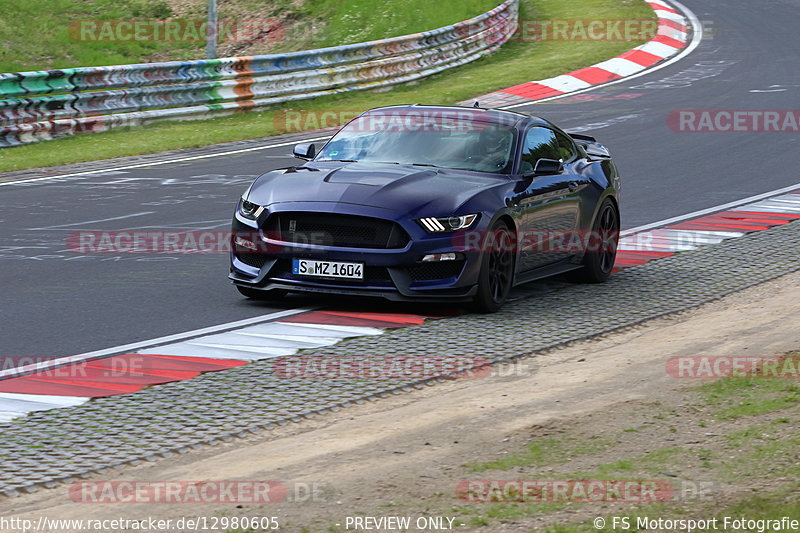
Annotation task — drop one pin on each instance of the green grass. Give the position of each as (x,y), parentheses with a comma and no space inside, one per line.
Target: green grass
(769,506)
(515,62)
(738,397)
(755,454)
(651,462)
(545,452)
(388,18)
(36,35)
(553,451)
(768,449)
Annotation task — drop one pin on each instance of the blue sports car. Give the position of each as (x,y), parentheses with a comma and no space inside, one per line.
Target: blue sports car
(430,203)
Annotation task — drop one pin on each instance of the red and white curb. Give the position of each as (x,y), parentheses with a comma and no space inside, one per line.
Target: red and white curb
(671,38)
(77,381)
(640,247)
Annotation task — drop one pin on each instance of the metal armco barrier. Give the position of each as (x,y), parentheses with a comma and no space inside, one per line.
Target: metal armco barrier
(44,105)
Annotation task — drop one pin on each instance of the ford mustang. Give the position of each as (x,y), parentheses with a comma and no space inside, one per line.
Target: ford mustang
(430,203)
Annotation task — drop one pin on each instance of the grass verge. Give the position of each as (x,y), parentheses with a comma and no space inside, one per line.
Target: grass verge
(763,507)
(71,33)
(516,62)
(728,448)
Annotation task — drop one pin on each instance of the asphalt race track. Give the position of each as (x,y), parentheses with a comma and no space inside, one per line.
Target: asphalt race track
(57,302)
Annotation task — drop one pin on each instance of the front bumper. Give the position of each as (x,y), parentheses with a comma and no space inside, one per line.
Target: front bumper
(395,274)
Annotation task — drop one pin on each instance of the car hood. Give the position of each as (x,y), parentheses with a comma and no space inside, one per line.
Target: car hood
(402,188)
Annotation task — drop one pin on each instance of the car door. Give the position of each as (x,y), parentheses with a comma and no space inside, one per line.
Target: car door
(548,204)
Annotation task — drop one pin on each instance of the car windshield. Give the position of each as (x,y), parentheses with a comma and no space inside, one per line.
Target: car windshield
(456,141)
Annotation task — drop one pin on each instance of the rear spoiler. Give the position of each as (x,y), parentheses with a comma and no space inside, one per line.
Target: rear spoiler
(593,148)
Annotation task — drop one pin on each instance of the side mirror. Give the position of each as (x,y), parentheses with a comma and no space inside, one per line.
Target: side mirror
(305,151)
(548,166)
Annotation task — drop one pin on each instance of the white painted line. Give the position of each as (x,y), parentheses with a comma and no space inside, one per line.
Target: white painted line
(684,237)
(260,351)
(184,349)
(165,162)
(697,37)
(356,330)
(711,232)
(777,203)
(770,208)
(295,340)
(73,224)
(710,210)
(697,237)
(655,247)
(18,405)
(788,198)
(37,401)
(312,330)
(237,337)
(45,398)
(23,407)
(137,346)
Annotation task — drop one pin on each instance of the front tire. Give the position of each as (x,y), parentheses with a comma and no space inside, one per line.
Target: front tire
(497,270)
(598,264)
(255,294)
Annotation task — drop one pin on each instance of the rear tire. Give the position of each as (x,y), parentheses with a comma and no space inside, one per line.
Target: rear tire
(255,294)
(497,270)
(598,264)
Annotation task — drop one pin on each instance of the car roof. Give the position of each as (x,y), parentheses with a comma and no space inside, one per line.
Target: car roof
(498,116)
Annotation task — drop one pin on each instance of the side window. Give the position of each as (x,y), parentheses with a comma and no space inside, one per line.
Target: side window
(565,147)
(540,143)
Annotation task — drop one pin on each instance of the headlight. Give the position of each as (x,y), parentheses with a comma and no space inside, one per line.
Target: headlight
(442,224)
(249,210)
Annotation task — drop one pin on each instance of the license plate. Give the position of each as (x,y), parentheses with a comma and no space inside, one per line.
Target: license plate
(327,269)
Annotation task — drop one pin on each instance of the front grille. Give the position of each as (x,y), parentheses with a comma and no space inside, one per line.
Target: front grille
(253,259)
(331,229)
(435,270)
(249,257)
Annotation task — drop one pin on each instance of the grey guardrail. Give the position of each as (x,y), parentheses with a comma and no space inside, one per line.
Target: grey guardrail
(43,105)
